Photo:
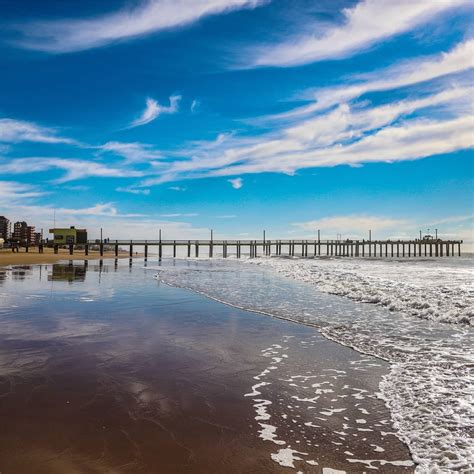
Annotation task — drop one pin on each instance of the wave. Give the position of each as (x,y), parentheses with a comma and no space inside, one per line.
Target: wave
(427,389)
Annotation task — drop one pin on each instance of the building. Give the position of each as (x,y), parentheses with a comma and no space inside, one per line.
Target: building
(5,228)
(31,235)
(71,235)
(20,232)
(24,233)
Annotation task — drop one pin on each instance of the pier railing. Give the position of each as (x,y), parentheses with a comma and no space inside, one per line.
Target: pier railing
(298,247)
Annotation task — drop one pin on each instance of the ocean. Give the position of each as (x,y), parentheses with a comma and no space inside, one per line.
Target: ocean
(310,365)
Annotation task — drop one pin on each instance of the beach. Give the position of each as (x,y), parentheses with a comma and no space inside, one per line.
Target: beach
(7,257)
(106,369)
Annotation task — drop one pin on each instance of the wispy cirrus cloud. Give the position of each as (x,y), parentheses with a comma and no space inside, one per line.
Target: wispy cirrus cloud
(367,23)
(74,168)
(16,131)
(348,134)
(178,214)
(411,72)
(148,17)
(132,190)
(153,110)
(357,226)
(13,192)
(132,152)
(351,225)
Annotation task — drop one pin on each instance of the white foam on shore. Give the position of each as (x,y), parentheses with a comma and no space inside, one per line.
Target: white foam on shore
(286,457)
(428,389)
(428,289)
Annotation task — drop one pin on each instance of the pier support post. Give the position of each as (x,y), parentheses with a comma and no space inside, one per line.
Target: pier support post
(71,249)
(447,250)
(116,250)
(86,249)
(146,251)
(459,249)
(131,250)
(174,249)
(196,250)
(56,248)
(101,249)
(189,249)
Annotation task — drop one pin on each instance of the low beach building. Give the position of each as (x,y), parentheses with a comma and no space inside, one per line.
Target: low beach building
(71,235)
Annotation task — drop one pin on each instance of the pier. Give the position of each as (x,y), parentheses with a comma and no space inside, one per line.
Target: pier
(292,248)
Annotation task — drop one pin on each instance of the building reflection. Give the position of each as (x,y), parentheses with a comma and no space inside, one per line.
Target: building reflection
(67,272)
(21,272)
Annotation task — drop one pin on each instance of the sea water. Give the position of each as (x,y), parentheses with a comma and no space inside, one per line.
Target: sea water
(416,314)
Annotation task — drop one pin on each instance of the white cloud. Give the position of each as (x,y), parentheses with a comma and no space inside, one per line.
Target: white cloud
(154,109)
(132,152)
(383,227)
(368,22)
(74,168)
(15,131)
(351,226)
(14,192)
(409,73)
(345,135)
(236,183)
(195,105)
(132,190)
(178,188)
(115,224)
(189,214)
(151,16)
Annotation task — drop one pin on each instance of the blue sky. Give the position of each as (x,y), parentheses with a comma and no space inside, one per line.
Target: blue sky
(239,115)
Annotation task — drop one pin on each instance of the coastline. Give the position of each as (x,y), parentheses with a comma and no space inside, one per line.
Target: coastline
(7,257)
(208,384)
(417,348)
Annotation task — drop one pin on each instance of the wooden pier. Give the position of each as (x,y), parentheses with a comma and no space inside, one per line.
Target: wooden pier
(292,248)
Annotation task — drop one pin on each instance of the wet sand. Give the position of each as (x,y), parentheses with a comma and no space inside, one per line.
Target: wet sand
(103,369)
(7,257)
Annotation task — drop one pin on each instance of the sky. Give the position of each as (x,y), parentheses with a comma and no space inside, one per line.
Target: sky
(238,116)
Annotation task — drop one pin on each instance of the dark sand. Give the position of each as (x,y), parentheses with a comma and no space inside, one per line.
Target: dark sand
(102,369)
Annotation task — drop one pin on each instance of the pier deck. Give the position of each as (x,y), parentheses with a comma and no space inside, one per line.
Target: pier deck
(299,247)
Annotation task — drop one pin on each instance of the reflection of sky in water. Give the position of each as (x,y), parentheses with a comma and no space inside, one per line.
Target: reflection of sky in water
(426,389)
(428,386)
(137,334)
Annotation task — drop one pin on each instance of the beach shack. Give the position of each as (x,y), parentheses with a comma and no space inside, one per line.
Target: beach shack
(71,235)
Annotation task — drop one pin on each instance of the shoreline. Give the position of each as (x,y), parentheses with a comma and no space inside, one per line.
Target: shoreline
(304,403)
(32,257)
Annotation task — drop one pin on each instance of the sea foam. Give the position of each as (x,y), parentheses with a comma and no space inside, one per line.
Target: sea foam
(429,387)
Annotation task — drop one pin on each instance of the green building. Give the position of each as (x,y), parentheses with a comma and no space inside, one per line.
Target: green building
(69,235)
